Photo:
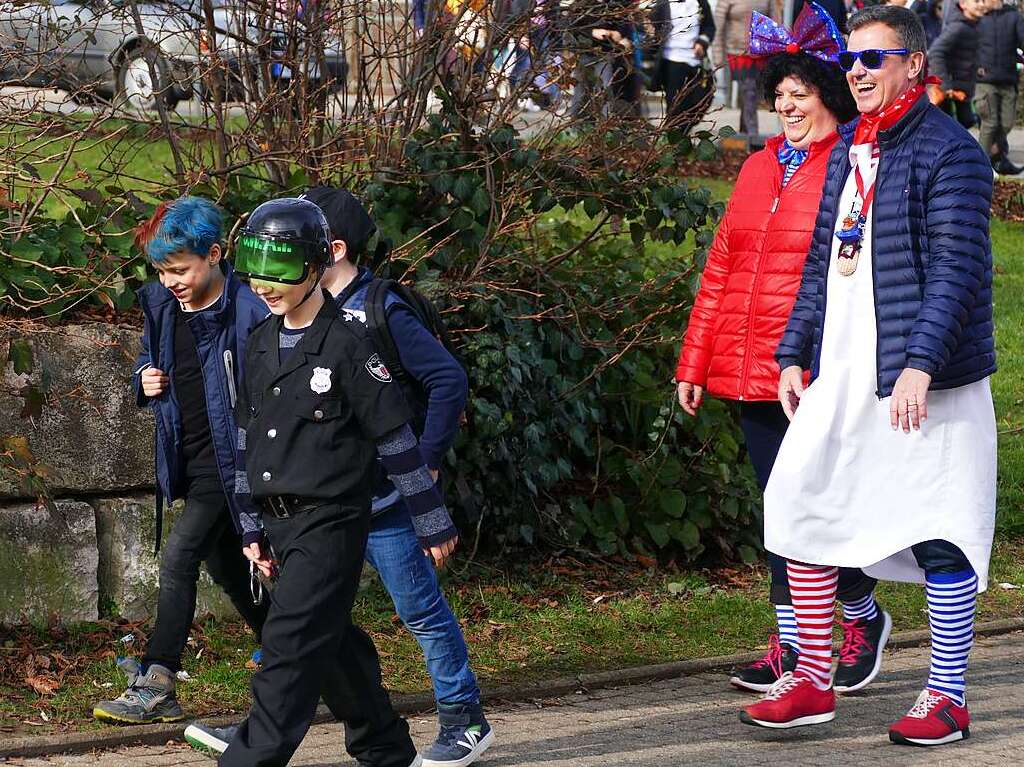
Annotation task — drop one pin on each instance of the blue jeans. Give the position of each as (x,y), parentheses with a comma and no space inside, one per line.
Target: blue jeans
(394,552)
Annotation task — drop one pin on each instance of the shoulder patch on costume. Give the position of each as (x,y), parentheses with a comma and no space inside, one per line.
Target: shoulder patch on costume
(376,368)
(353,314)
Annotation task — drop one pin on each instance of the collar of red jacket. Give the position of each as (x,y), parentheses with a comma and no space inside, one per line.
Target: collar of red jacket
(772,144)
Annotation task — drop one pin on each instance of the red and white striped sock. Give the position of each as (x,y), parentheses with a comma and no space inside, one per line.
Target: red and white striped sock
(814,601)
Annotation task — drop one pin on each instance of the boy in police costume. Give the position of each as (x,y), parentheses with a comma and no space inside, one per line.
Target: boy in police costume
(436,387)
(316,401)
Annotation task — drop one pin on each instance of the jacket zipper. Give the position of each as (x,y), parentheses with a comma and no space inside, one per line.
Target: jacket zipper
(874,288)
(757,285)
(229,368)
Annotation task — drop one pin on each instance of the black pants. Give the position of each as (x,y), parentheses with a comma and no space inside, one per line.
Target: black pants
(311,648)
(203,533)
(938,556)
(688,93)
(961,111)
(764,425)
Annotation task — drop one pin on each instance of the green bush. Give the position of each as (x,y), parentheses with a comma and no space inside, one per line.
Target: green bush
(566,267)
(570,327)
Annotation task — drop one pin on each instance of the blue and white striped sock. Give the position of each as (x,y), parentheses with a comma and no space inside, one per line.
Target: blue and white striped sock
(785,616)
(865,608)
(951,602)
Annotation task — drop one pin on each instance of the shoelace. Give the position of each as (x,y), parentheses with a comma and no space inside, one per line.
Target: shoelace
(773,658)
(785,684)
(926,701)
(854,641)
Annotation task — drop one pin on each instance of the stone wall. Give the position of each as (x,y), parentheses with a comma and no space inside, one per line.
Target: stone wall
(92,553)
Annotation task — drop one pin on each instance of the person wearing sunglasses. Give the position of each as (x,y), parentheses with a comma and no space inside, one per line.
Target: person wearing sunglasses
(889,462)
(954,60)
(197,319)
(315,409)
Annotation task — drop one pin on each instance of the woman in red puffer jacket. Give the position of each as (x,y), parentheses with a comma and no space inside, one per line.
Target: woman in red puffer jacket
(747,290)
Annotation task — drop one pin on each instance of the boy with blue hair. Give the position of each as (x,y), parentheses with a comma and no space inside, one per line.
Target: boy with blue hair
(197,321)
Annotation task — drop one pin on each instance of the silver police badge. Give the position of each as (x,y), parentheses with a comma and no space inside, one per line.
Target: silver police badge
(376,368)
(321,380)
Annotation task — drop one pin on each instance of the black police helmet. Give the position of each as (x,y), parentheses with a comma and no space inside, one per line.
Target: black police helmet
(281,240)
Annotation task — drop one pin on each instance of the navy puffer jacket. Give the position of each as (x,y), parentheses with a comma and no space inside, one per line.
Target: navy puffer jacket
(931,255)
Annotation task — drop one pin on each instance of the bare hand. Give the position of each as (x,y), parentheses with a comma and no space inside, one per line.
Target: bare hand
(908,406)
(442,552)
(936,95)
(154,382)
(699,50)
(690,396)
(254,553)
(791,389)
(434,474)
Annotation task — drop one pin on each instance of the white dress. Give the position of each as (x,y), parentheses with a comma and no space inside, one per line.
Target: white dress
(847,490)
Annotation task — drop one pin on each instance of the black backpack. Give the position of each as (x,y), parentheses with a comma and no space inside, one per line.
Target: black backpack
(426,312)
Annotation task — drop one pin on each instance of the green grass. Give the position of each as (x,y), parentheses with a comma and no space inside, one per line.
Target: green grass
(1008,382)
(540,620)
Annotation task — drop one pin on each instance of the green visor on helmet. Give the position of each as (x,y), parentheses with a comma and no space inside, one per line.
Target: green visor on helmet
(273,260)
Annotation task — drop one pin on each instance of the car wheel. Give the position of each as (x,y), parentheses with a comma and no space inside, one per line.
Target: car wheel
(135,85)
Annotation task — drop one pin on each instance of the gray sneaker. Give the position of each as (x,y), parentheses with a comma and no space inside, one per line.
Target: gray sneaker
(149,698)
(210,740)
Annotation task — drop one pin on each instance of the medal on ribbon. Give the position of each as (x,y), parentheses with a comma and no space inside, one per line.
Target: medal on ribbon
(850,236)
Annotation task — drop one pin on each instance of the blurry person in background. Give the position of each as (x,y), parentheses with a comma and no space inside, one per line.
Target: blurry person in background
(732,26)
(954,60)
(930,14)
(1000,34)
(685,30)
(601,33)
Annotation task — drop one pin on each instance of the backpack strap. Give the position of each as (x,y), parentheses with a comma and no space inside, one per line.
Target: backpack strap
(377,325)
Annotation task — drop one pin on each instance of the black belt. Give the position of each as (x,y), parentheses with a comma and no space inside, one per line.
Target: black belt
(285,506)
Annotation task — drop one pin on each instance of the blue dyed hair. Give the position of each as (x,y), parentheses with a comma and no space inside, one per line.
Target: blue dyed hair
(189,224)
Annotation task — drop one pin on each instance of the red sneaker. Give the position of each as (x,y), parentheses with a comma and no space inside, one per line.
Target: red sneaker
(793,701)
(933,720)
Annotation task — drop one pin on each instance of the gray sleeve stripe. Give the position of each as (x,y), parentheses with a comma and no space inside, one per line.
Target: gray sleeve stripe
(241,482)
(432,522)
(241,438)
(412,483)
(398,441)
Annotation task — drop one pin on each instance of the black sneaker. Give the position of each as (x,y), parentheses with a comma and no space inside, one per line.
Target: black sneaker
(210,740)
(1004,167)
(860,657)
(760,675)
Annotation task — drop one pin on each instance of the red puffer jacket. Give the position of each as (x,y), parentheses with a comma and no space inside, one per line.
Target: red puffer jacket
(752,274)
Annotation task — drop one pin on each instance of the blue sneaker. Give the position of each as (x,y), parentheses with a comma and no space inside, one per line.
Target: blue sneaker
(210,740)
(464,736)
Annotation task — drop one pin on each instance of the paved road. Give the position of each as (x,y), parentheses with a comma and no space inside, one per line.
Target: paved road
(693,721)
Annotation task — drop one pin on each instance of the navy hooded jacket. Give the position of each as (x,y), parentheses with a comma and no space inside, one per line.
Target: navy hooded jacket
(221,333)
(931,255)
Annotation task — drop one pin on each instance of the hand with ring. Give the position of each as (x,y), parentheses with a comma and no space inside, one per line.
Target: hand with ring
(908,406)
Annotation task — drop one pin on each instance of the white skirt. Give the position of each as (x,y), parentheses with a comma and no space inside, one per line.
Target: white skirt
(846,489)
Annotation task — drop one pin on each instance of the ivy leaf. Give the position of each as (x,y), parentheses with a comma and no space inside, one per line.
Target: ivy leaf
(21,355)
(658,532)
(673,503)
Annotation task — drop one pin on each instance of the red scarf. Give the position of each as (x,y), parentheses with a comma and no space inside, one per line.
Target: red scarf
(869,125)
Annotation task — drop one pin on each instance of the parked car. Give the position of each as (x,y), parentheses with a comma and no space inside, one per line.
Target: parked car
(95,47)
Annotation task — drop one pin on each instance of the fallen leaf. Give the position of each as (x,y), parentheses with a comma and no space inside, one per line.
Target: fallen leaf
(44,685)
(1009,586)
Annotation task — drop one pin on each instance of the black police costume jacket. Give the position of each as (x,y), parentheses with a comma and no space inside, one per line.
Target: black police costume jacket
(310,425)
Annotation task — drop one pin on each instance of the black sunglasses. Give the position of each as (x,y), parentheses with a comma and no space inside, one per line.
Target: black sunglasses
(872,58)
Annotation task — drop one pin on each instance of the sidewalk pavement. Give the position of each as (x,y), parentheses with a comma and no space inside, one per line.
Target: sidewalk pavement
(693,720)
